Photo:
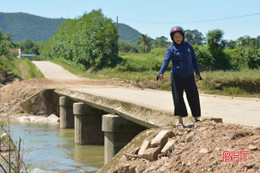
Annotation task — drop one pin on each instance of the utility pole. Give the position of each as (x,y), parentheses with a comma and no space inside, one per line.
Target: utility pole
(117,33)
(117,23)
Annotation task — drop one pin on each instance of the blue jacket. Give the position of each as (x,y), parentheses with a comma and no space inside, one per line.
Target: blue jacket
(183,58)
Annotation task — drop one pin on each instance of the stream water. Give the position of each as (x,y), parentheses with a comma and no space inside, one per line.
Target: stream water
(52,149)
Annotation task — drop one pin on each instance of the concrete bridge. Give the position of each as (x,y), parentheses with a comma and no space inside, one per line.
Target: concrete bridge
(98,120)
(113,115)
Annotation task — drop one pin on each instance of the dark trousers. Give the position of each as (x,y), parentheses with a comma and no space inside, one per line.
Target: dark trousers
(187,84)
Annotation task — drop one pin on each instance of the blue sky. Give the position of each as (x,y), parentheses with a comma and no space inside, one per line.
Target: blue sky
(155,17)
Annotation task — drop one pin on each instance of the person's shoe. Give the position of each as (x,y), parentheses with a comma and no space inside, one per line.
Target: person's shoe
(180,125)
(196,121)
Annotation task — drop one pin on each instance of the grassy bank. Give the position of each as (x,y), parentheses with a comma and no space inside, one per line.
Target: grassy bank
(32,71)
(140,70)
(234,83)
(23,69)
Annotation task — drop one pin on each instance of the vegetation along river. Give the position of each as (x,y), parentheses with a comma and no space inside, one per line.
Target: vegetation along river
(52,149)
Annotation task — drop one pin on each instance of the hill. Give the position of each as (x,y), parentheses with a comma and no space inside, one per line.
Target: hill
(128,33)
(26,26)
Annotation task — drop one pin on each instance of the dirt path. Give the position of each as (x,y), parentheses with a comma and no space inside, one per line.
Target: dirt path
(244,111)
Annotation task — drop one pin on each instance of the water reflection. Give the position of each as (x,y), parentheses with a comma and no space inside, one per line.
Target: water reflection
(52,149)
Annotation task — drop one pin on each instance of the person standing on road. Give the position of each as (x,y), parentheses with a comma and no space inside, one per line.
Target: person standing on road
(184,62)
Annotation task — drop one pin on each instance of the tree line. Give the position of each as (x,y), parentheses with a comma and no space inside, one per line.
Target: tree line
(213,52)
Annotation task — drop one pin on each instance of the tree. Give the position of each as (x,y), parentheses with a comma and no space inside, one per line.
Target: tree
(231,44)
(253,55)
(28,44)
(144,44)
(246,41)
(89,41)
(243,41)
(216,45)
(4,53)
(3,45)
(35,50)
(194,37)
(9,40)
(160,42)
(2,36)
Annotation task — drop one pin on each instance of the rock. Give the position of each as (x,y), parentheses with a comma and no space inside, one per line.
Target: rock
(213,163)
(210,170)
(252,147)
(217,120)
(187,171)
(139,169)
(24,119)
(124,168)
(189,138)
(177,158)
(217,149)
(37,170)
(162,169)
(169,145)
(249,165)
(143,147)
(161,138)
(38,119)
(203,128)
(203,150)
(53,118)
(151,153)
(132,169)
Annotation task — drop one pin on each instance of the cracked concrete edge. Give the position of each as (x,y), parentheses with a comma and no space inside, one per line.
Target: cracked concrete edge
(144,116)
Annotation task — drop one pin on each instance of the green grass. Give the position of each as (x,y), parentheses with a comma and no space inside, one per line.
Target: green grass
(27,66)
(32,71)
(245,83)
(13,66)
(243,74)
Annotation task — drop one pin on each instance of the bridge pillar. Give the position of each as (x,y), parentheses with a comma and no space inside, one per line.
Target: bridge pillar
(66,113)
(118,132)
(87,125)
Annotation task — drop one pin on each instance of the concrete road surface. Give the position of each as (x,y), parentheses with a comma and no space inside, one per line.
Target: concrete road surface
(244,111)
(54,71)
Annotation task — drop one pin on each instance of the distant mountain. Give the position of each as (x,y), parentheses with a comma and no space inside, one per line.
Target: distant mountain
(26,26)
(128,33)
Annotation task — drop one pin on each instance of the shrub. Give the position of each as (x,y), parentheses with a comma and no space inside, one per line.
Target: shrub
(204,57)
